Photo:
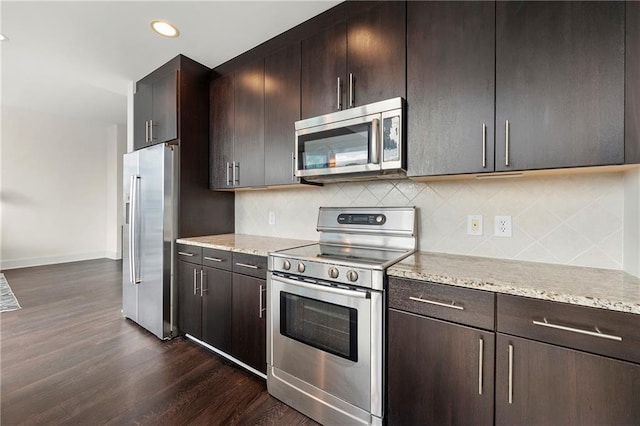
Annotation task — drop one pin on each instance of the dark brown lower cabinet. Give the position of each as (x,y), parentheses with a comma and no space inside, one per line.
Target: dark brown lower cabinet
(248,321)
(216,309)
(439,373)
(543,384)
(190,302)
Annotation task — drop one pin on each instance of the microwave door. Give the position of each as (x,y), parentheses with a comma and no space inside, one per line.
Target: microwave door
(348,146)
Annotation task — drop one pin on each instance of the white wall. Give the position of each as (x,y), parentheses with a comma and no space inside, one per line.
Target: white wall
(57,188)
(573,219)
(116,147)
(632,223)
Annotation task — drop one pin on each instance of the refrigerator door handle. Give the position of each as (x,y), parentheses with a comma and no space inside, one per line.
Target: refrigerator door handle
(133,214)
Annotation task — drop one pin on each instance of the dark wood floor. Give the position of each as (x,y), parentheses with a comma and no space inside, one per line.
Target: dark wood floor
(68,357)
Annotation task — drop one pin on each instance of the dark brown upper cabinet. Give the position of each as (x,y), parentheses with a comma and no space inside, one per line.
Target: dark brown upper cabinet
(237,128)
(155,108)
(632,84)
(221,126)
(450,87)
(355,62)
(559,84)
(248,144)
(281,111)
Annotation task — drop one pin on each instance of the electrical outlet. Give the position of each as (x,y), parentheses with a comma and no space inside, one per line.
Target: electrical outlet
(502,226)
(272,218)
(474,224)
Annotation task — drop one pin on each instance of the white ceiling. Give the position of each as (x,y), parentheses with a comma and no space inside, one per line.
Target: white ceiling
(77,59)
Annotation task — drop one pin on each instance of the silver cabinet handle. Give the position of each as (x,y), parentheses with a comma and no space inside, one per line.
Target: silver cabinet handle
(374,149)
(433,302)
(293,166)
(226,166)
(510,374)
(484,145)
(182,253)
(195,282)
(480,364)
(506,143)
(236,175)
(339,97)
(351,91)
(133,230)
(146,131)
(202,290)
(213,259)
(244,265)
(262,308)
(596,333)
(151,130)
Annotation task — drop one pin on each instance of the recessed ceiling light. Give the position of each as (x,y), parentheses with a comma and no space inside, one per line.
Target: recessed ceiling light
(3,37)
(165,29)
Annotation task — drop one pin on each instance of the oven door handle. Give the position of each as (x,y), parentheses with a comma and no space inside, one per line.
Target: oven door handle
(324,288)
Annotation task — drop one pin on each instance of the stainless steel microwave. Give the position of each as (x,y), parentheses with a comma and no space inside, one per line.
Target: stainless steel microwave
(355,144)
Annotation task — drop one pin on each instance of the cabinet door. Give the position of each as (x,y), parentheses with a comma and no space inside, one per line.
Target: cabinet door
(222,112)
(323,61)
(216,308)
(281,111)
(559,84)
(632,83)
(189,300)
(376,54)
(248,319)
(249,125)
(165,108)
(439,373)
(450,87)
(551,385)
(142,113)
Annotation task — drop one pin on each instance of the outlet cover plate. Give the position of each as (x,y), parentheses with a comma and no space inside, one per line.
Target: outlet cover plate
(502,226)
(474,224)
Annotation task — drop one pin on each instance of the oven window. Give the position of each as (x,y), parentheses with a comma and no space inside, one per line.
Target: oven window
(326,326)
(346,146)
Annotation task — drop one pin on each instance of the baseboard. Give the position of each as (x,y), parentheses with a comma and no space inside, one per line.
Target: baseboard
(50,260)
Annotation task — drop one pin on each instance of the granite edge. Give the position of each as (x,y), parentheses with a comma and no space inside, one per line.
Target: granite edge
(593,302)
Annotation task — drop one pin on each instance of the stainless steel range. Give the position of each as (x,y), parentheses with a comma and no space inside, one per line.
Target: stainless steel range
(325,322)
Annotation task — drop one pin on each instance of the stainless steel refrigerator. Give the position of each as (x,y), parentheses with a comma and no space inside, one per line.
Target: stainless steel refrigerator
(151,186)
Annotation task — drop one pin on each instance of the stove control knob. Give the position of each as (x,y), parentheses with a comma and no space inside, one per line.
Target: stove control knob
(379,219)
(301,267)
(352,276)
(286,265)
(333,272)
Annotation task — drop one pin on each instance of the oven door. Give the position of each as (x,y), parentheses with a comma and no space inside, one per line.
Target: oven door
(322,336)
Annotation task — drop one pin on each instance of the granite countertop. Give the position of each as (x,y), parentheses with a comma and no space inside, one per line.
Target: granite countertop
(242,243)
(598,288)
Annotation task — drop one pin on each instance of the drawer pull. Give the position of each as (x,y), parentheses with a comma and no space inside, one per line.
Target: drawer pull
(182,253)
(596,333)
(214,259)
(433,302)
(510,374)
(480,364)
(244,265)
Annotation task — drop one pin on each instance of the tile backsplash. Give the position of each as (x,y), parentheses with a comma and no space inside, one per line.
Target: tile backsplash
(574,220)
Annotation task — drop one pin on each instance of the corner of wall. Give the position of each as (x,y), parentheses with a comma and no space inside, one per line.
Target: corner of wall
(631,261)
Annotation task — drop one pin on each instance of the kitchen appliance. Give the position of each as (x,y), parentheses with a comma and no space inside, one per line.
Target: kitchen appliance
(358,143)
(326,314)
(150,229)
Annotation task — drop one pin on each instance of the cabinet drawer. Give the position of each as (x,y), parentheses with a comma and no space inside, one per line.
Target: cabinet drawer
(599,331)
(187,253)
(219,259)
(455,304)
(249,264)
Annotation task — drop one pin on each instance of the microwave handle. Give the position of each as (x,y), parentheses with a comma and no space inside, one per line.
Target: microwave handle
(374,148)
